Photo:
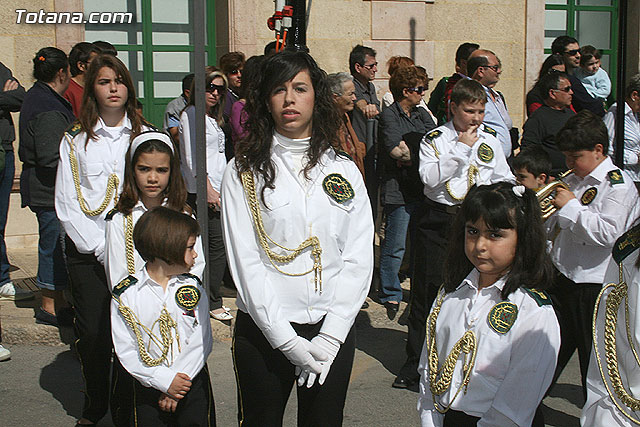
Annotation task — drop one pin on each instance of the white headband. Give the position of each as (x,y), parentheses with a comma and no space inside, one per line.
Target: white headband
(147,136)
(519,190)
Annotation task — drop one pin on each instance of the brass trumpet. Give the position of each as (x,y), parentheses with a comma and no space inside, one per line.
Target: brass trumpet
(547,193)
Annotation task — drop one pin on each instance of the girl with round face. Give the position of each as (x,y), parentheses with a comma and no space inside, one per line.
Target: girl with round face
(89,179)
(495,258)
(298,230)
(44,117)
(215,90)
(152,178)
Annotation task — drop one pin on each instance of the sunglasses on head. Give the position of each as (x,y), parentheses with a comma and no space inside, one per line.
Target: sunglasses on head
(572,52)
(419,89)
(212,88)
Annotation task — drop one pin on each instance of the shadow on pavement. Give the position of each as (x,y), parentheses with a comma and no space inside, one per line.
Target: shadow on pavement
(385,345)
(62,378)
(553,417)
(570,392)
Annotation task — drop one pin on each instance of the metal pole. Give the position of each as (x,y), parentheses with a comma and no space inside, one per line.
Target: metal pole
(622,78)
(298,34)
(201,147)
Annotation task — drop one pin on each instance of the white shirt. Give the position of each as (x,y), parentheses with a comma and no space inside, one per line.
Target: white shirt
(216,160)
(582,249)
(100,158)
(298,209)
(146,298)
(444,159)
(115,260)
(631,138)
(599,409)
(512,371)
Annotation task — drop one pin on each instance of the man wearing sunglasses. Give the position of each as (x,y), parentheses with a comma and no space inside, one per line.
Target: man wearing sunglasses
(569,48)
(485,67)
(363,67)
(544,123)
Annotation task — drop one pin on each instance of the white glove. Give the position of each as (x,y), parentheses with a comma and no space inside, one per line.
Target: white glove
(328,345)
(302,354)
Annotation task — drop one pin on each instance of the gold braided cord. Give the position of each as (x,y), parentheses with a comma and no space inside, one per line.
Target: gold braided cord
(112,185)
(473,170)
(467,345)
(316,252)
(128,243)
(612,303)
(165,325)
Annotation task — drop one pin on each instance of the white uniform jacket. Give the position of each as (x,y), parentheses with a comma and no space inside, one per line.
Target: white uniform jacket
(216,160)
(512,371)
(297,209)
(99,159)
(146,298)
(115,260)
(590,224)
(600,410)
(445,160)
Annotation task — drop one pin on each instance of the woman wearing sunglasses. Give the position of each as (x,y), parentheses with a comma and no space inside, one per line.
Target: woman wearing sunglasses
(402,126)
(216,88)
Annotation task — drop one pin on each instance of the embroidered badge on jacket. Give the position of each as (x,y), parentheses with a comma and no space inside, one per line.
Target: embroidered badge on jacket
(588,195)
(502,317)
(338,188)
(485,153)
(187,297)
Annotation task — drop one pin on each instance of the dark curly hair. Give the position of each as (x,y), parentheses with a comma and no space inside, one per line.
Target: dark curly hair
(253,153)
(501,208)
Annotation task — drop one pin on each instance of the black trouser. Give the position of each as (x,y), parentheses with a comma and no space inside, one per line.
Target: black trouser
(91,301)
(265,377)
(454,418)
(217,262)
(574,304)
(432,235)
(133,404)
(372,181)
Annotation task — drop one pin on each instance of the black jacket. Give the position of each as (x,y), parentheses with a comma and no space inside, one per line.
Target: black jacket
(10,102)
(44,117)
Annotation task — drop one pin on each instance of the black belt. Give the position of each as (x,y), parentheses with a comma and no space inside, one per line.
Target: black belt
(450,209)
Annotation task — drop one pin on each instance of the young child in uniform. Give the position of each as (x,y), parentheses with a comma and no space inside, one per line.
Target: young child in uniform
(491,316)
(151,178)
(453,157)
(600,205)
(594,79)
(160,328)
(532,167)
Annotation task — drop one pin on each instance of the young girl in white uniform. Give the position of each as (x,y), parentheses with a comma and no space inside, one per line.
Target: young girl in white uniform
(151,178)
(298,231)
(216,88)
(491,320)
(161,330)
(88,182)
(613,379)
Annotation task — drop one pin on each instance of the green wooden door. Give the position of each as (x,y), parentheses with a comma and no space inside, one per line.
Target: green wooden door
(157,48)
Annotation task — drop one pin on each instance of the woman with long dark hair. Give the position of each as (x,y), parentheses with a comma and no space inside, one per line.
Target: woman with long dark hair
(88,182)
(298,231)
(553,63)
(44,116)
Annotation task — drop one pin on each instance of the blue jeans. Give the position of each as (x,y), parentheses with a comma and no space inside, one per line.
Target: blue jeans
(392,249)
(52,273)
(6,181)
